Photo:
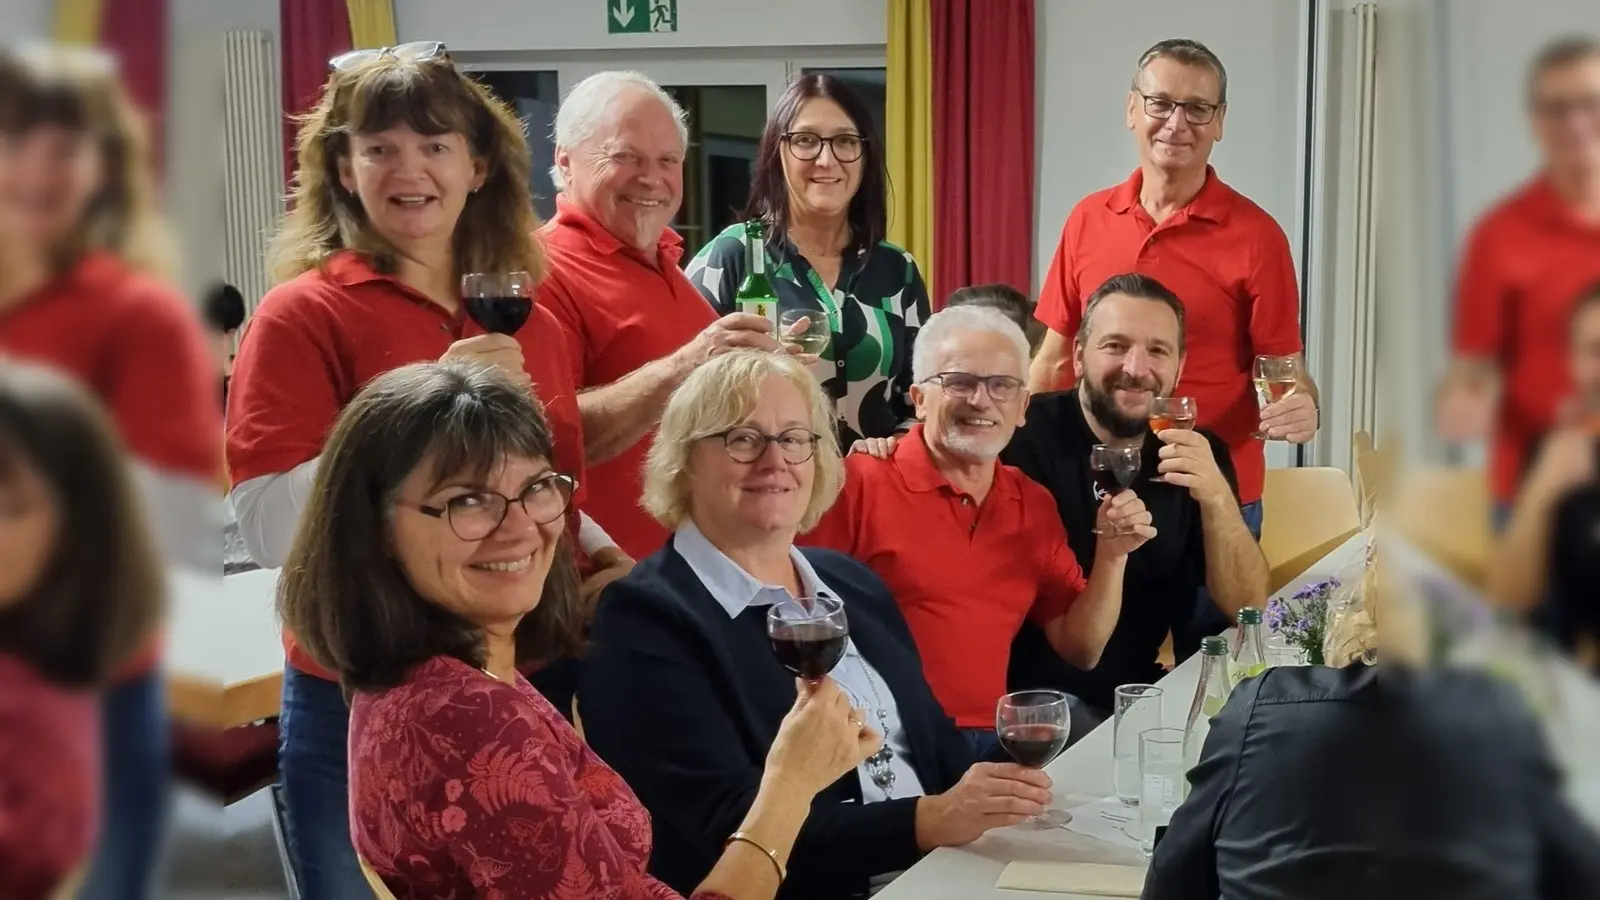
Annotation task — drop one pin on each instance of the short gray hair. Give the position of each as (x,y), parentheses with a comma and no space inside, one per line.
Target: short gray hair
(953,320)
(588,105)
(1190,53)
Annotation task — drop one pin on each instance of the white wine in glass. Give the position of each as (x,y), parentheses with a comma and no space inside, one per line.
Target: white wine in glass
(806,329)
(1276,377)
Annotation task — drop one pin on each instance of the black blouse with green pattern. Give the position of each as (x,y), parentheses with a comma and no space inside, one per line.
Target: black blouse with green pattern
(875,308)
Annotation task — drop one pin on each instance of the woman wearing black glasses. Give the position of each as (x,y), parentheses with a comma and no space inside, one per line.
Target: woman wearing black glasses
(821,189)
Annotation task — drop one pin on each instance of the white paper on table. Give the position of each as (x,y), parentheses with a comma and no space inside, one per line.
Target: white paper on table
(1108,820)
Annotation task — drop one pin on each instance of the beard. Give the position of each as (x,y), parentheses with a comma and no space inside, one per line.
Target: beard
(1103,405)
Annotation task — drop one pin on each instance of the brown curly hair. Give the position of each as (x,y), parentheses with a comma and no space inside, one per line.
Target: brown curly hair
(496,229)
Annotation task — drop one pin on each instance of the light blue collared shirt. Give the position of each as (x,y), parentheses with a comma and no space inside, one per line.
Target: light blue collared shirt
(736,590)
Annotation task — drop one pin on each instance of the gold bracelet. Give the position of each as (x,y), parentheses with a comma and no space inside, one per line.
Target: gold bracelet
(747,839)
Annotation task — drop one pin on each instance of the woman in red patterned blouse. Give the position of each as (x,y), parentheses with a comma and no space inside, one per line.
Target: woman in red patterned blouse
(430,564)
(79,586)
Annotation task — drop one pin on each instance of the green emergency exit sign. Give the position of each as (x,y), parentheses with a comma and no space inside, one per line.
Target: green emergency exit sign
(641,16)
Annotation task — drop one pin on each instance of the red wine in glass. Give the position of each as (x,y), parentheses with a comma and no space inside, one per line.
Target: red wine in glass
(1033,728)
(1034,746)
(808,635)
(1113,468)
(499,302)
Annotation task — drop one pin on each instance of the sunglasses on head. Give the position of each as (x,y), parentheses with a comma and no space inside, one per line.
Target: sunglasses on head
(413,51)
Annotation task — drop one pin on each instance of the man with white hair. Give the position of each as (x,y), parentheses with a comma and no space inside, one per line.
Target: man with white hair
(969,547)
(634,324)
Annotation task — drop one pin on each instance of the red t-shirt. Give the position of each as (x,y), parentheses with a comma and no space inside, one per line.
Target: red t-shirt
(618,311)
(1525,264)
(314,341)
(1227,260)
(137,345)
(964,575)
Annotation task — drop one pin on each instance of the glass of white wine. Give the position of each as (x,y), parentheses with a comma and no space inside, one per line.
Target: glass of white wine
(1276,378)
(806,329)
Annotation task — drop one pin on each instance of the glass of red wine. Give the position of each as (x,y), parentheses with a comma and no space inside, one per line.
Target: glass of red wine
(1033,728)
(500,302)
(808,635)
(1114,469)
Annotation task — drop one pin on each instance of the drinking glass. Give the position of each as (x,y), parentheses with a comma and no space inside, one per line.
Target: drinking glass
(500,302)
(808,635)
(1137,708)
(1276,378)
(1280,652)
(811,337)
(1172,412)
(1033,727)
(1114,469)
(1161,776)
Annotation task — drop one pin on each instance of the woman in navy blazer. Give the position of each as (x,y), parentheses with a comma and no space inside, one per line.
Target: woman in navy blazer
(682,694)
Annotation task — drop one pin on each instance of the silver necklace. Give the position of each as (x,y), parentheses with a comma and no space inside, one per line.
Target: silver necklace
(879,768)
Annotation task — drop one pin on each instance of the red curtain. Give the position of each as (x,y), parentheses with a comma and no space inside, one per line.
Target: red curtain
(136,32)
(313,32)
(983,119)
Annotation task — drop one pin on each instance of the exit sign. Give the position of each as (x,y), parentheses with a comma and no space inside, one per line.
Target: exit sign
(641,16)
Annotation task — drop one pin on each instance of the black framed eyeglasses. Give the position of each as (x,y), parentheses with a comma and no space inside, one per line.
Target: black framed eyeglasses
(1001,388)
(746,444)
(412,51)
(807,145)
(1194,111)
(477,515)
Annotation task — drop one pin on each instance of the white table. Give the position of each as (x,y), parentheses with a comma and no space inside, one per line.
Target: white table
(224,653)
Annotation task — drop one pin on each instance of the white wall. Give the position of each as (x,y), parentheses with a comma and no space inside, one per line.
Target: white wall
(26,18)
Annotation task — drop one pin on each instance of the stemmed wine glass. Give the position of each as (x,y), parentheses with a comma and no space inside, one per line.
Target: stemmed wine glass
(1114,469)
(808,635)
(811,339)
(1276,377)
(1033,727)
(500,302)
(1172,412)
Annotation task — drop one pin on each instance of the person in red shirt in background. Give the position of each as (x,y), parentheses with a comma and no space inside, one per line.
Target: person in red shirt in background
(85,288)
(80,587)
(971,548)
(410,175)
(635,326)
(1524,262)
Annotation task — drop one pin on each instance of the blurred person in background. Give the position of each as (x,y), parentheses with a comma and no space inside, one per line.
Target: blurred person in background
(86,287)
(1524,261)
(1014,303)
(80,592)
(224,314)
(410,175)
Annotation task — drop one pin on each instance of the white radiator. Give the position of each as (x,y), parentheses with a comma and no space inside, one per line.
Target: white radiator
(1363,300)
(253,159)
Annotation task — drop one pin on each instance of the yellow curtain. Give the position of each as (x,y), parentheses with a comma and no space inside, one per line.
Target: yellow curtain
(909,127)
(371,24)
(78,21)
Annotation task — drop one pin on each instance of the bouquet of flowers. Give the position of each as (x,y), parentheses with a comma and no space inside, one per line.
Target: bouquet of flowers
(1303,618)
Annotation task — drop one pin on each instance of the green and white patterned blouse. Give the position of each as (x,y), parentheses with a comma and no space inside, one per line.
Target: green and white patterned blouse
(875,309)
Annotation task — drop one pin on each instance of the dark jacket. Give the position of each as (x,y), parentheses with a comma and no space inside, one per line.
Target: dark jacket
(1329,783)
(685,702)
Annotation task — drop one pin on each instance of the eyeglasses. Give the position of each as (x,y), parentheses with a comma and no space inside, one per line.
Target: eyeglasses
(746,445)
(806,145)
(1194,112)
(1001,388)
(475,516)
(413,51)
(1560,108)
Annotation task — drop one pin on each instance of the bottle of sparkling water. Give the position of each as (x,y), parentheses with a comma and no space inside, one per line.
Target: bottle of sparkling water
(1209,696)
(755,294)
(1250,653)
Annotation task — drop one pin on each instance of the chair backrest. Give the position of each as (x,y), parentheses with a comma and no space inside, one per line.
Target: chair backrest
(1370,475)
(1306,513)
(379,889)
(1448,514)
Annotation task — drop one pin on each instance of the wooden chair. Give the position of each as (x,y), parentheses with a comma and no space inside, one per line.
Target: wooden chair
(1446,513)
(1370,475)
(1306,513)
(379,889)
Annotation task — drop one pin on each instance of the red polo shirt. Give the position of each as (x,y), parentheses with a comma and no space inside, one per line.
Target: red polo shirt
(1524,265)
(1227,260)
(965,575)
(137,345)
(618,310)
(313,342)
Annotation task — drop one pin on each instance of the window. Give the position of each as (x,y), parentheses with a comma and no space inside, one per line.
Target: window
(535,97)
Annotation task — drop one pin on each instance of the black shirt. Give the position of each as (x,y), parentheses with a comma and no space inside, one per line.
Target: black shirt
(1571,608)
(1163,577)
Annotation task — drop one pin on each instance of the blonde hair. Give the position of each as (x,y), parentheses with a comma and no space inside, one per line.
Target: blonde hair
(78,89)
(720,395)
(496,229)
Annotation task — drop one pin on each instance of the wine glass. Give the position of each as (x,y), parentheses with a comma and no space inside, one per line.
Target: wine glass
(1172,412)
(805,328)
(500,302)
(808,635)
(1276,378)
(1114,469)
(1033,728)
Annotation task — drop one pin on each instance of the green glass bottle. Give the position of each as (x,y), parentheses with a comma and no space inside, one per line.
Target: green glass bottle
(755,295)
(1250,652)
(1210,695)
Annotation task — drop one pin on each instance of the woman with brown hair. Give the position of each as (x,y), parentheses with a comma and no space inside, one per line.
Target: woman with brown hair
(85,287)
(80,585)
(432,563)
(410,175)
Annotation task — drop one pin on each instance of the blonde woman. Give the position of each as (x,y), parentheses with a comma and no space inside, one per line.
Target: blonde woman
(410,174)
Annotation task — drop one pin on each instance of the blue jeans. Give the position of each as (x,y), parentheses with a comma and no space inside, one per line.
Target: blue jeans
(313,766)
(1252,518)
(137,773)
(1207,619)
(985,744)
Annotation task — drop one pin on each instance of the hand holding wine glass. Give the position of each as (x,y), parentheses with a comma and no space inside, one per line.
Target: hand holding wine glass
(989,795)
(499,350)
(1033,728)
(807,330)
(1287,414)
(1124,524)
(821,738)
(1114,469)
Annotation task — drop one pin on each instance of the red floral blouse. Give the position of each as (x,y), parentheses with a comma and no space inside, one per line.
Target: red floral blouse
(463,786)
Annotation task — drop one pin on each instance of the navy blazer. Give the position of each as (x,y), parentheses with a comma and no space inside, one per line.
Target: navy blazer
(685,702)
